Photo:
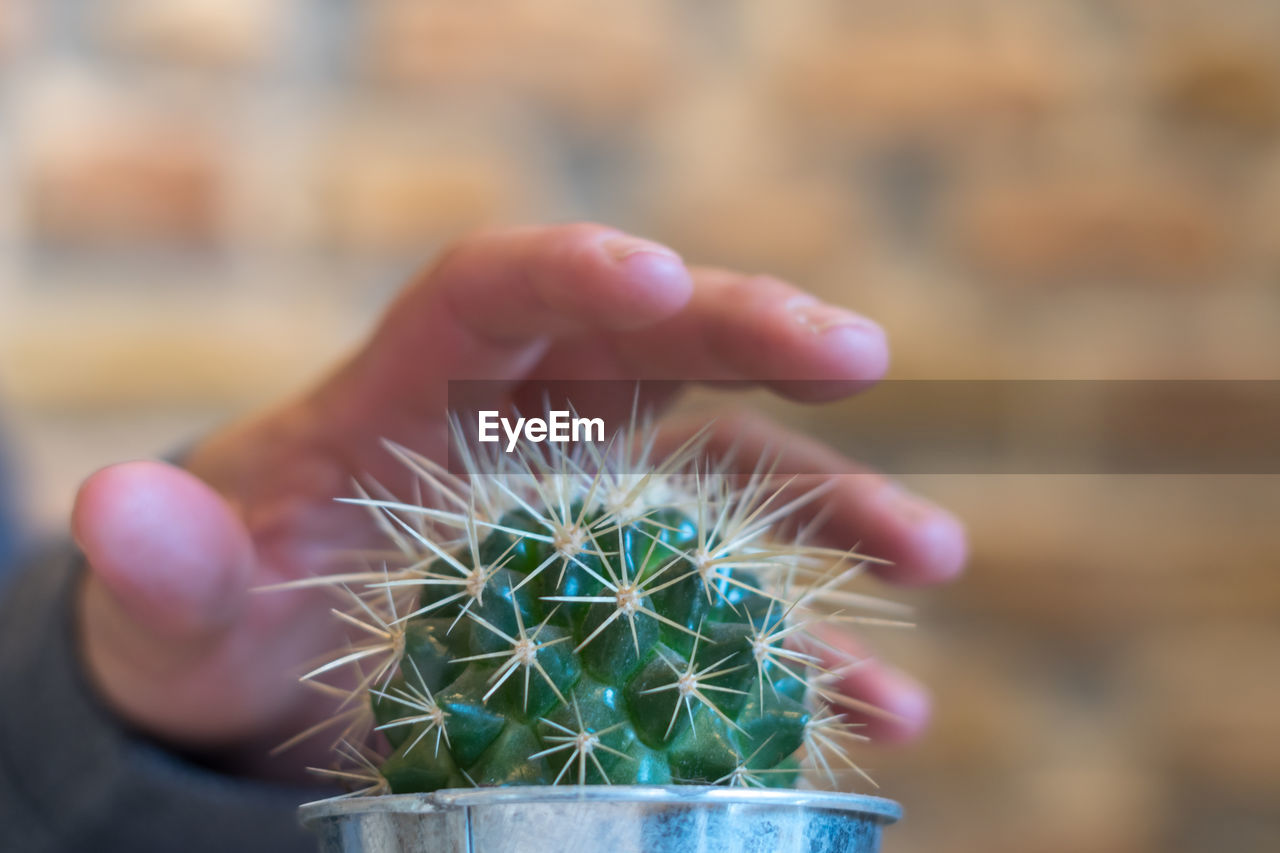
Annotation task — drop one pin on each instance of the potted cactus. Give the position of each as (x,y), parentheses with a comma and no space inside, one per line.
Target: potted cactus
(593,648)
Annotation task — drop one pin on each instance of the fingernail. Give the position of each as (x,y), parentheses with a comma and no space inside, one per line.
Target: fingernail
(621,248)
(820,318)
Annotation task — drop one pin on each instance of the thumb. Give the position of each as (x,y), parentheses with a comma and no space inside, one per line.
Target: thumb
(169,572)
(171,635)
(168,552)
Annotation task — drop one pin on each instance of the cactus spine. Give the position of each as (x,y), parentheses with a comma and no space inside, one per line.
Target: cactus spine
(593,616)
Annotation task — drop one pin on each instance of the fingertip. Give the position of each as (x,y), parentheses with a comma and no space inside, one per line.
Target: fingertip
(855,346)
(907,704)
(767,329)
(925,543)
(932,551)
(655,284)
(942,545)
(863,349)
(164,544)
(845,359)
(885,703)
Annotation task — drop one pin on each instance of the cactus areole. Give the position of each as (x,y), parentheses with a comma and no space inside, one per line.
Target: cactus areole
(594,615)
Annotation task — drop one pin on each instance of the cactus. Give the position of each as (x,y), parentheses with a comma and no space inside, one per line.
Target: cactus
(592,616)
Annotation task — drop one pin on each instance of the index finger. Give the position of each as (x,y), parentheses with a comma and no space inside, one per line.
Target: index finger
(492,305)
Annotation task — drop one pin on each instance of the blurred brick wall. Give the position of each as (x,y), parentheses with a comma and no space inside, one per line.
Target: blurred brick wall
(204,201)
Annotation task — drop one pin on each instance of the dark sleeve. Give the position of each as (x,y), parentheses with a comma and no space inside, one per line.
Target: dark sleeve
(72,779)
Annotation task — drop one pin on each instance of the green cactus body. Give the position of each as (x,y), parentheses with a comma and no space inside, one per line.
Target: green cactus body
(575,625)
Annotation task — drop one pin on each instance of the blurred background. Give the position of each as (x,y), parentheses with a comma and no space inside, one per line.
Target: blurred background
(204,202)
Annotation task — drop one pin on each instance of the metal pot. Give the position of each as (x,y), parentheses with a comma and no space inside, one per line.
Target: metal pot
(603,819)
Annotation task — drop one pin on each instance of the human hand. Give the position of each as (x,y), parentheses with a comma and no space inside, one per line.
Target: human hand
(179,647)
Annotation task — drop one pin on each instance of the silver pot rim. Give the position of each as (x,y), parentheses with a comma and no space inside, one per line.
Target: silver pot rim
(884,811)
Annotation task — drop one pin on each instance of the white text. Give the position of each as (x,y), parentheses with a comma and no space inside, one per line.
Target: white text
(559,426)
